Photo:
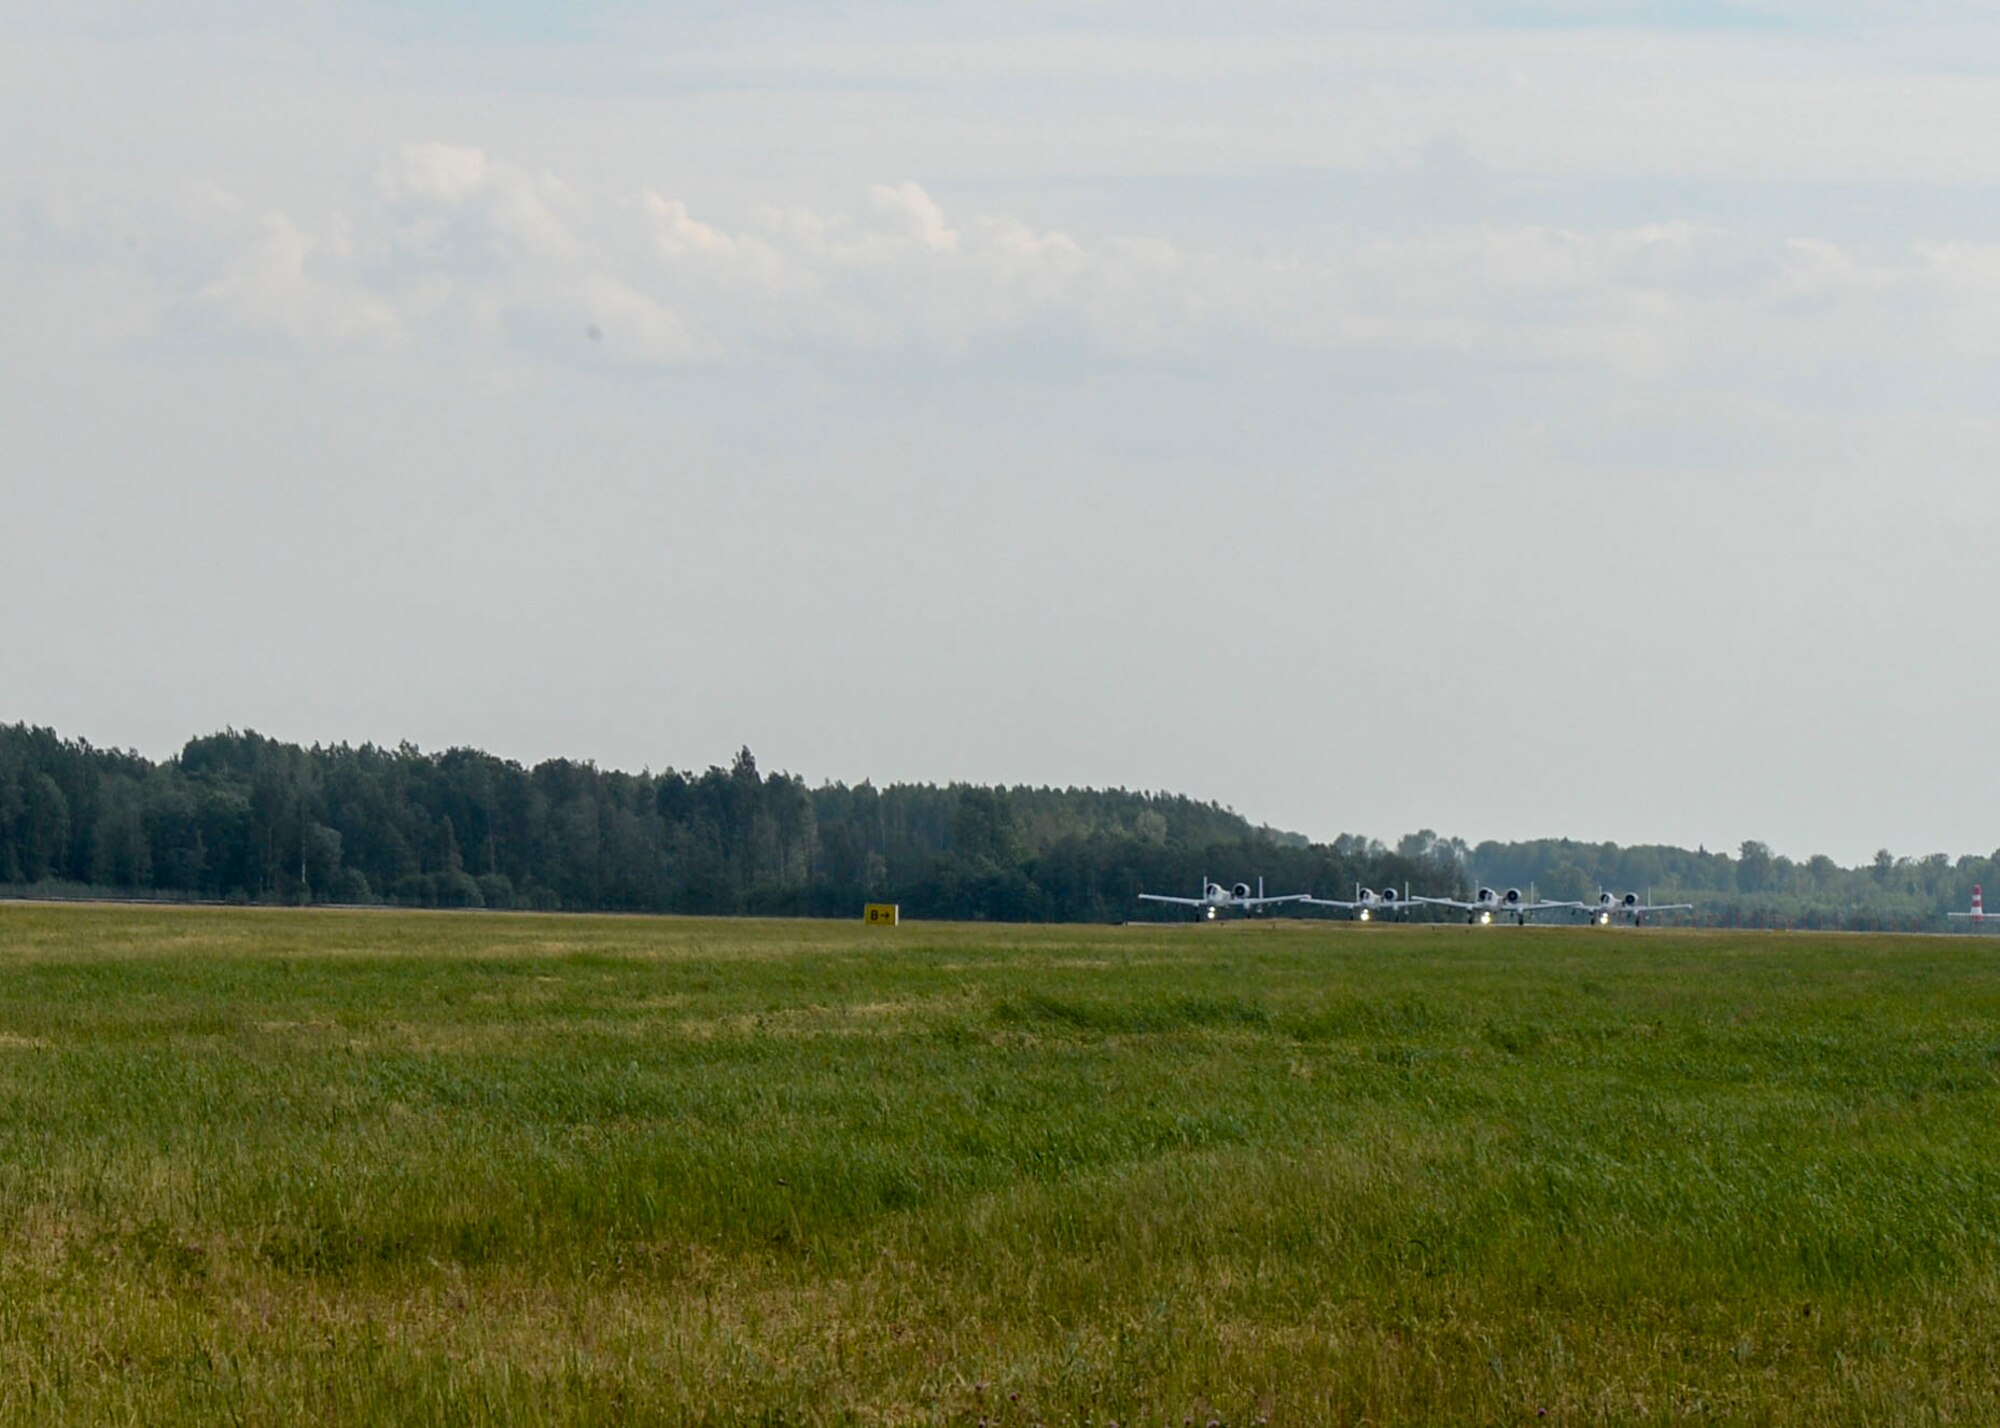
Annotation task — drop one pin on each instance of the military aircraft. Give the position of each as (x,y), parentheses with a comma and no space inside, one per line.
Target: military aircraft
(1216,899)
(1607,907)
(1487,904)
(1367,904)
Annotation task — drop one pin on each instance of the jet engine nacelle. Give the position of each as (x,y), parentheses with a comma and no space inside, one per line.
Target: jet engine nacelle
(1242,890)
(1606,900)
(1631,900)
(1389,896)
(1486,896)
(1511,898)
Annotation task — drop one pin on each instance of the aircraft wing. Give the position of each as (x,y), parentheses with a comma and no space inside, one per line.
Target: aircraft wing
(1176,901)
(1336,902)
(1443,901)
(1261,901)
(1667,907)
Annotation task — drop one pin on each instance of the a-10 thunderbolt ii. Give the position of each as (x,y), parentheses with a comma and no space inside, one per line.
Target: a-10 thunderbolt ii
(1367,904)
(1487,904)
(1607,907)
(1216,899)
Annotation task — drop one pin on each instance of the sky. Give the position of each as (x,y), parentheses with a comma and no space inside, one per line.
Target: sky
(1515,420)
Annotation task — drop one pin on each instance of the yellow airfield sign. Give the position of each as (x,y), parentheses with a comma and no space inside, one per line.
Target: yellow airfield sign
(880,914)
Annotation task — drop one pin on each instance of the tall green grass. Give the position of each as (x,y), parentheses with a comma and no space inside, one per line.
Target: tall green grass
(264,1167)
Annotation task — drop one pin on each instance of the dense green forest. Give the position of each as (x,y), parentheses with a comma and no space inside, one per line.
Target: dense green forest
(241,817)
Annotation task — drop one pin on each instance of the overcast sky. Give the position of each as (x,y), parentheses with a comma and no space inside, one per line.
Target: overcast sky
(1512,419)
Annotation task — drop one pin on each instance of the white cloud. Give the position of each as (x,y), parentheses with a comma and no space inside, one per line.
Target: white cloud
(906,207)
(452,201)
(450,243)
(285,284)
(676,234)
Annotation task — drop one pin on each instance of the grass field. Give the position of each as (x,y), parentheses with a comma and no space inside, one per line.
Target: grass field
(259,1167)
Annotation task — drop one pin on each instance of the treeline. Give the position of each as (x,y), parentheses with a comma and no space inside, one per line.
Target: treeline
(240,817)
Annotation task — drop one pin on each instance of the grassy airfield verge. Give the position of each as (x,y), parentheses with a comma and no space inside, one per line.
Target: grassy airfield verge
(259,1167)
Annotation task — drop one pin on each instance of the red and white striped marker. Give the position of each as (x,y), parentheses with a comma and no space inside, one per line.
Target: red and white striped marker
(1978,904)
